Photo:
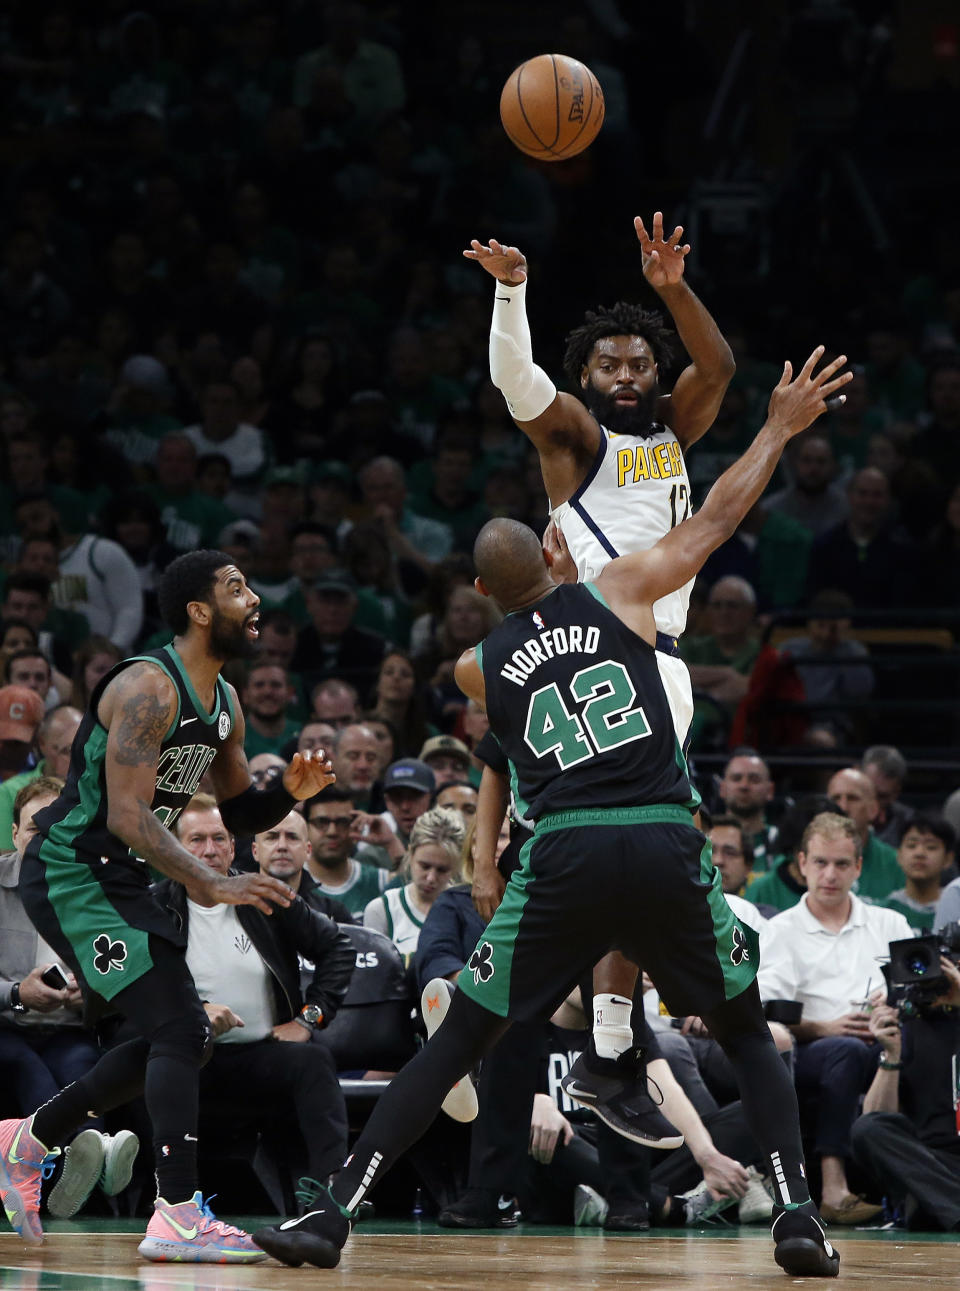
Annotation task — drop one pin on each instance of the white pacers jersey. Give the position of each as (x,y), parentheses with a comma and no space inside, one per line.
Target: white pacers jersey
(636,491)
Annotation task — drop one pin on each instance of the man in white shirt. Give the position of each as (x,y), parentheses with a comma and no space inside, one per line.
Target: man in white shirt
(826,954)
(267,1052)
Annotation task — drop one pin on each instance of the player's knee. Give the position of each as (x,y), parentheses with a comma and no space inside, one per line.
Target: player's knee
(187,1038)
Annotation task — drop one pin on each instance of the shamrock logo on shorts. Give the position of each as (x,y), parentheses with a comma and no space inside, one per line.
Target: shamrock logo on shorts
(741,950)
(109,954)
(480,963)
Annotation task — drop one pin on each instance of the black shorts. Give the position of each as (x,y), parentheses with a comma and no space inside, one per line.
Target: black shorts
(639,879)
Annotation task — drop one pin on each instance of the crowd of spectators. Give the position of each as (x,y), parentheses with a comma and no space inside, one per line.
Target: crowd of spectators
(234,313)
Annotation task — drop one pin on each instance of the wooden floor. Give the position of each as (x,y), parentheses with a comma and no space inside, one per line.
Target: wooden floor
(392,1256)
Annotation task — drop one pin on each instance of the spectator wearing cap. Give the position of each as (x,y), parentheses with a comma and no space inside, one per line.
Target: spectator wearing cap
(138,410)
(21,712)
(330,645)
(447,757)
(408,787)
(834,668)
(192,519)
(54,740)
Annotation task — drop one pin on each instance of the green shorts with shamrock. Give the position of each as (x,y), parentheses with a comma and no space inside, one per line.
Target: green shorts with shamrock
(98,914)
(639,880)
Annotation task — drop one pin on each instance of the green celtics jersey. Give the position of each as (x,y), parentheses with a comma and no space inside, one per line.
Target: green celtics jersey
(76,823)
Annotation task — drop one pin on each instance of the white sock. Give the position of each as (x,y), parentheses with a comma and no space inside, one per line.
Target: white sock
(612,1033)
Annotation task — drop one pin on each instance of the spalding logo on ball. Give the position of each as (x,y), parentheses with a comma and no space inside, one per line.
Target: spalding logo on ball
(552,107)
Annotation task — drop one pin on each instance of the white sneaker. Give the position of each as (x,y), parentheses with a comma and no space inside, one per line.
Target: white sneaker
(756,1204)
(589,1208)
(82,1164)
(461,1103)
(701,1205)
(119,1153)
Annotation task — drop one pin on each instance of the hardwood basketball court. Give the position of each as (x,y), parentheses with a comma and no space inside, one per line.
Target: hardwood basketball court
(391,1256)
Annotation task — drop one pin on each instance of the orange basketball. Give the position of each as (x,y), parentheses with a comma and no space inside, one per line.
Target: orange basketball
(552,107)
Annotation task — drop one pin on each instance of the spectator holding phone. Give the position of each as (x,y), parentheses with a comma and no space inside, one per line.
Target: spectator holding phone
(43,1043)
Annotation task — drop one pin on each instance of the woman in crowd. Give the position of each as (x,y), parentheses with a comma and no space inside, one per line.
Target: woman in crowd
(398,697)
(431,864)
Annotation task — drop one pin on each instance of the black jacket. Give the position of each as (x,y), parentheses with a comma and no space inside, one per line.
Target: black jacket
(279,939)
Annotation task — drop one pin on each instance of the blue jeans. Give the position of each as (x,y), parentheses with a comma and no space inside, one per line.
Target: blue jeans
(37,1062)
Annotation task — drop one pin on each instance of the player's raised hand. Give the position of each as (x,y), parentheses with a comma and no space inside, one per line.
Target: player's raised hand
(307,774)
(798,401)
(506,264)
(662,257)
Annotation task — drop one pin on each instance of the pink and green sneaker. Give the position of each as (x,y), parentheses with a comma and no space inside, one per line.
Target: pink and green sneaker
(24,1163)
(189,1233)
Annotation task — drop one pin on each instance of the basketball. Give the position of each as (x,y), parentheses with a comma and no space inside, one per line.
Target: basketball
(552,107)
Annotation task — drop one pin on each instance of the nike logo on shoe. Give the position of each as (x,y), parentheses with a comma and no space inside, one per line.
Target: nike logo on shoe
(12,1154)
(293,1223)
(188,1234)
(577,1091)
(433,1003)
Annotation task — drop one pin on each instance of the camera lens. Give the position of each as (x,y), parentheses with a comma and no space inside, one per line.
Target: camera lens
(918,966)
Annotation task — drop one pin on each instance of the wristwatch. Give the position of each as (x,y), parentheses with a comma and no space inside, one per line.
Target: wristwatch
(890,1066)
(16,1003)
(311,1014)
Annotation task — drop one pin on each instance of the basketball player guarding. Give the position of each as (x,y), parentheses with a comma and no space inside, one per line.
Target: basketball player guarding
(615,475)
(157,723)
(570,683)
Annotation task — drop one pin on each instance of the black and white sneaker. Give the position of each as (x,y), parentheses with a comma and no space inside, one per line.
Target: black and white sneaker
(315,1238)
(617,1091)
(480,1208)
(801,1247)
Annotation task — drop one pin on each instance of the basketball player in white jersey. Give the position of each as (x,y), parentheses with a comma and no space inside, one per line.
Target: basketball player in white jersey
(613,463)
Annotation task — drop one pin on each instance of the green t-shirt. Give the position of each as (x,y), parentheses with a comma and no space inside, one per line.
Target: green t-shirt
(254,742)
(193,520)
(777,888)
(918,915)
(8,793)
(365,883)
(881,872)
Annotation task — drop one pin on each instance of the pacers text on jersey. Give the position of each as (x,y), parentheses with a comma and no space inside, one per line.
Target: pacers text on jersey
(551,642)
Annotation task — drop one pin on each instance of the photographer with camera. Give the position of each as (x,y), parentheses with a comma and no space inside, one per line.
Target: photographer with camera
(908,1140)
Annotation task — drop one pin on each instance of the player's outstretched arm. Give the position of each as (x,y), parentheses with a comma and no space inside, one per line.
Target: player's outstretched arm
(137,709)
(795,404)
(554,422)
(692,407)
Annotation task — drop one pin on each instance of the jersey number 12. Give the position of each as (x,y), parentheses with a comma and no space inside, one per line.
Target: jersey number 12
(608,718)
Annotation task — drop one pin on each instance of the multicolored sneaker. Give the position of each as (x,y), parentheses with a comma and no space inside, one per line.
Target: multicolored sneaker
(189,1233)
(24,1163)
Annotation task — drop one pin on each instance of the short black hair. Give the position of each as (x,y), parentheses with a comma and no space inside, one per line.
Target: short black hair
(938,826)
(621,319)
(188,578)
(24,581)
(332,793)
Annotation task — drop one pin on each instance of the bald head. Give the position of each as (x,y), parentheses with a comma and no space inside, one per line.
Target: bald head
(509,561)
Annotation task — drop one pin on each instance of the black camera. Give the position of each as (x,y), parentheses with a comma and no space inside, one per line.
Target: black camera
(914,974)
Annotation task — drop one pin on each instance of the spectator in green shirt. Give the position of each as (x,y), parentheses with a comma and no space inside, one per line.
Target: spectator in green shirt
(745,789)
(720,663)
(192,519)
(266,694)
(926,851)
(853,792)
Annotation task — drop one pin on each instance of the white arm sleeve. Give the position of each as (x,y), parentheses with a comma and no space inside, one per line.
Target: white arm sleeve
(527,388)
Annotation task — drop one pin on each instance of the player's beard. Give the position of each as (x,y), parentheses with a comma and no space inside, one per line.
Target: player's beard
(229,639)
(622,419)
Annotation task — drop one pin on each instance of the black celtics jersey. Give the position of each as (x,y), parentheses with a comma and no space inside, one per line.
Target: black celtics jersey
(575,699)
(76,824)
